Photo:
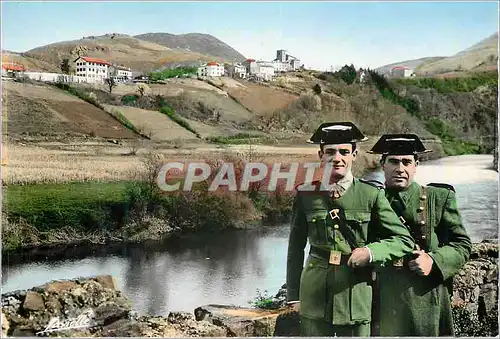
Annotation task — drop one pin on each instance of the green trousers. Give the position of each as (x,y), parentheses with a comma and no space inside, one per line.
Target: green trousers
(321,328)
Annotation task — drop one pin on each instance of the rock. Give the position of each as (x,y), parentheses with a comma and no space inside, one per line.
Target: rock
(59,286)
(124,328)
(287,325)
(63,303)
(5,325)
(242,322)
(186,323)
(33,302)
(106,281)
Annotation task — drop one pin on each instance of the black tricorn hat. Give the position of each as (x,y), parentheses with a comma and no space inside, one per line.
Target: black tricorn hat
(336,133)
(399,144)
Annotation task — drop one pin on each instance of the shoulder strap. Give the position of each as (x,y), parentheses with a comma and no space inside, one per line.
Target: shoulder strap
(374,183)
(441,185)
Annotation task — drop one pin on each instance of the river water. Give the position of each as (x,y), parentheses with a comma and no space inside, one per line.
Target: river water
(228,268)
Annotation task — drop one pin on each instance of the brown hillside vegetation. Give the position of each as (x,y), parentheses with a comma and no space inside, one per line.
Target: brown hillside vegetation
(140,55)
(42,110)
(31,64)
(195,42)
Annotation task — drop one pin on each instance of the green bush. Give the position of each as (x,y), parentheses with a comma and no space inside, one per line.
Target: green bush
(129,99)
(172,73)
(458,84)
(170,112)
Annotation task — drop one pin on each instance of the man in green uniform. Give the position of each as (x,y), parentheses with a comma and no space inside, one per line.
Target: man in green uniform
(414,290)
(350,226)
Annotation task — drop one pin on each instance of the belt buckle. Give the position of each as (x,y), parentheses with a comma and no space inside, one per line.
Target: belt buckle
(335,257)
(397,262)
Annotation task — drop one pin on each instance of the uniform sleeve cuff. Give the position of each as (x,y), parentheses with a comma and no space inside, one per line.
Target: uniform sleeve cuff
(370,252)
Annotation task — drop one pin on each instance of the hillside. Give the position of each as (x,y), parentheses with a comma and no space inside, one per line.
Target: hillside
(43,112)
(412,64)
(482,56)
(194,42)
(140,55)
(460,112)
(479,57)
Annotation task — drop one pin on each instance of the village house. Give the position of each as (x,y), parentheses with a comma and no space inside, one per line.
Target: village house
(401,72)
(262,70)
(236,70)
(120,73)
(12,70)
(93,69)
(211,69)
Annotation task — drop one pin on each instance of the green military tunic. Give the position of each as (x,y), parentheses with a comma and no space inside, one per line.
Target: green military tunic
(413,305)
(332,294)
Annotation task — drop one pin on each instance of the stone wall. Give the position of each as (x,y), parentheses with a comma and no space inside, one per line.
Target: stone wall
(101,310)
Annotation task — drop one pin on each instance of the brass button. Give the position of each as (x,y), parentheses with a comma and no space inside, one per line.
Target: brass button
(423,197)
(313,219)
(335,226)
(423,237)
(420,209)
(422,222)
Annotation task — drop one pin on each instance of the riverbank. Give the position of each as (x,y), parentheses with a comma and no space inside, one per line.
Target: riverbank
(46,206)
(110,312)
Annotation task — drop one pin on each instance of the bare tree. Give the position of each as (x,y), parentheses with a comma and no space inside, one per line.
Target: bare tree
(111,83)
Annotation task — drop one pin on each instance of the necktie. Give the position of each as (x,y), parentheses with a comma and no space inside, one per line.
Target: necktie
(397,205)
(336,191)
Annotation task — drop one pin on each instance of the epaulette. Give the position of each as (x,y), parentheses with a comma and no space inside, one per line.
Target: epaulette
(442,185)
(375,183)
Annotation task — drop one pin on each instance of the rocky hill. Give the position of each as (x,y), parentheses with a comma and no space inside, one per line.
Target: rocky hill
(482,56)
(194,42)
(140,55)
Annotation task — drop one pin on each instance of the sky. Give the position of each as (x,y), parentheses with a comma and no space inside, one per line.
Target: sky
(321,34)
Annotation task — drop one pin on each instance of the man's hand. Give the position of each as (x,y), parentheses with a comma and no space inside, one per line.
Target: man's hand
(359,257)
(295,306)
(422,264)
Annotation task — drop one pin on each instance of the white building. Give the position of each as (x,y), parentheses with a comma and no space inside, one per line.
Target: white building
(211,69)
(401,72)
(93,69)
(262,70)
(120,73)
(281,66)
(237,70)
(285,62)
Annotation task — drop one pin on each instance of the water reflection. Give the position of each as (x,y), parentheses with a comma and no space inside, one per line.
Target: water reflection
(181,275)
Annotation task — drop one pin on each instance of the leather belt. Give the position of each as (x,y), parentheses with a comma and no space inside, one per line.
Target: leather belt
(325,254)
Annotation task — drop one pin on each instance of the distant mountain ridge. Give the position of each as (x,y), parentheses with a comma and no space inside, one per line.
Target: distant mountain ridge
(142,55)
(481,56)
(194,42)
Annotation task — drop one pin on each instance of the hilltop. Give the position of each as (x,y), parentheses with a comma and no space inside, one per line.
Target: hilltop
(194,42)
(482,56)
(141,55)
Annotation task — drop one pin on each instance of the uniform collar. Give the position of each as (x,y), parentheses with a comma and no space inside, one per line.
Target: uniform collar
(405,194)
(345,182)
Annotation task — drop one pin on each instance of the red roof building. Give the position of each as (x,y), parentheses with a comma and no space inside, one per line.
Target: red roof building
(94,60)
(13,67)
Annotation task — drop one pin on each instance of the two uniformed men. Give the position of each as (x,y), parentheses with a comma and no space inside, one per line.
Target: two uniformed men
(414,295)
(350,226)
(412,234)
